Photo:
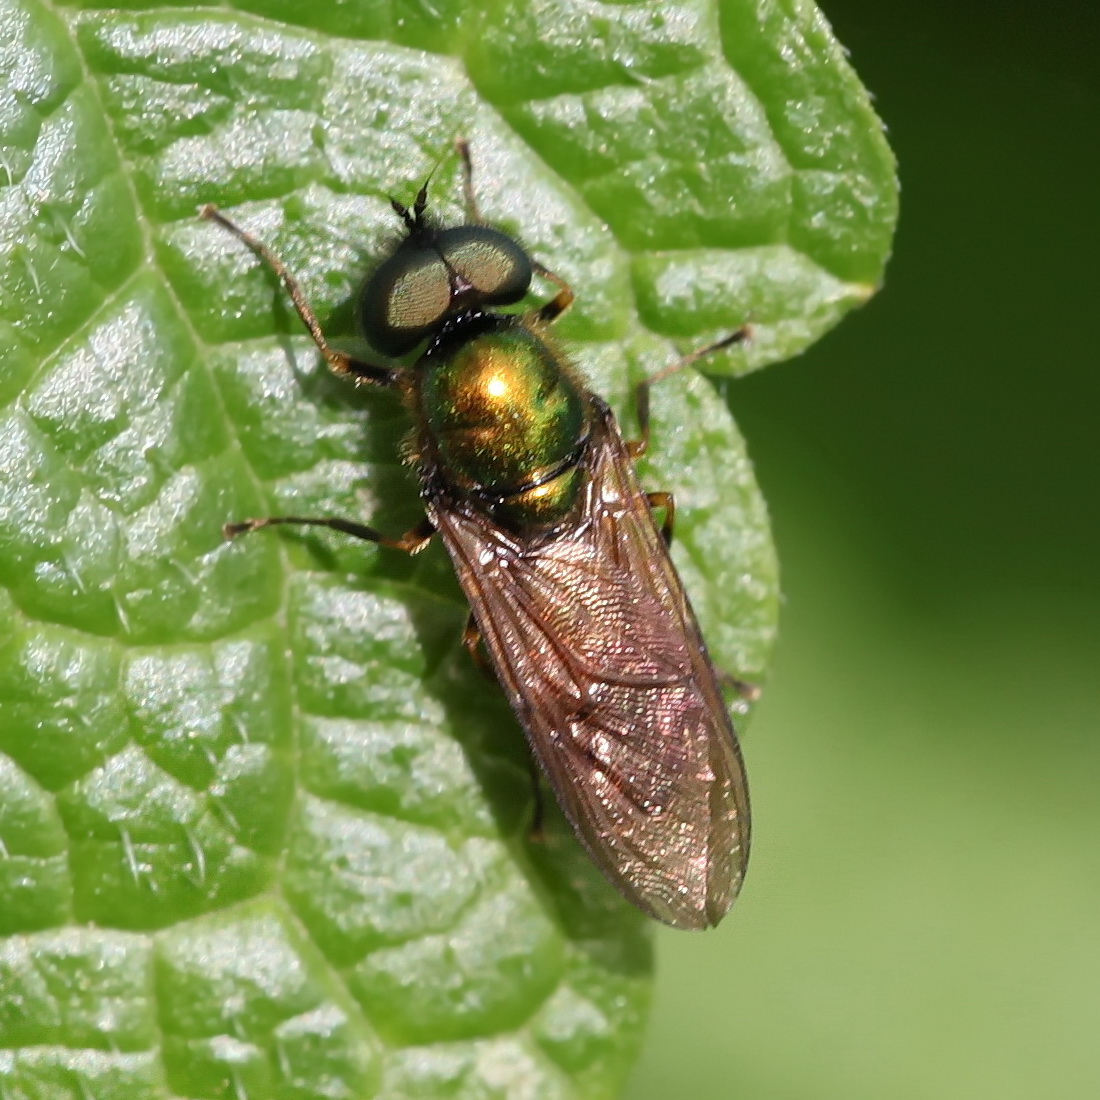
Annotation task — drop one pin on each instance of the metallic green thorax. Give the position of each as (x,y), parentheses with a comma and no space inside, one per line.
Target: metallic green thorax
(505,418)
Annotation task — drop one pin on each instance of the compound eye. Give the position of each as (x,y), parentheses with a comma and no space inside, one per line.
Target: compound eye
(490,261)
(405,300)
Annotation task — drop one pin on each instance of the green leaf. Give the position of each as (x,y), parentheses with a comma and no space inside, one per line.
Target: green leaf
(263,832)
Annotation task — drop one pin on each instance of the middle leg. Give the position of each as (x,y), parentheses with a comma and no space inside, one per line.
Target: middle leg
(411,542)
(639,447)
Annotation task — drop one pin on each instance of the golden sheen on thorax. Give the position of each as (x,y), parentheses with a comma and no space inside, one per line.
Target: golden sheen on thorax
(501,412)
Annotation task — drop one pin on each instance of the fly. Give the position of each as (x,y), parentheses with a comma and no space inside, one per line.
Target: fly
(573,595)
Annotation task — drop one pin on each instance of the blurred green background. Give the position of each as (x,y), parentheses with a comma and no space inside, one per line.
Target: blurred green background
(921,917)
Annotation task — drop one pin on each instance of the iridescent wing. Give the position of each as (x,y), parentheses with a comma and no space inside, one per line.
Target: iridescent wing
(599,652)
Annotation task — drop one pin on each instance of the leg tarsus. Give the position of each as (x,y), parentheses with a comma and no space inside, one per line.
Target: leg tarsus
(339,361)
(473,211)
(638,447)
(564,298)
(410,542)
(641,392)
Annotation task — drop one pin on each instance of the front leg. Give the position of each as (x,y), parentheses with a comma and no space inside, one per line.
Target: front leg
(340,362)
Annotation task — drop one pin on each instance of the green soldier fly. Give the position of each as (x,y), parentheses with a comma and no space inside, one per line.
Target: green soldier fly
(572,591)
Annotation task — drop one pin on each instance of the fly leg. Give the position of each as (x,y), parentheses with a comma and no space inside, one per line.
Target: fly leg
(638,447)
(747,690)
(667,502)
(339,361)
(471,639)
(561,301)
(564,297)
(473,211)
(412,541)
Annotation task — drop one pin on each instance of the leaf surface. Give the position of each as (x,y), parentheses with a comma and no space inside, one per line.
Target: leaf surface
(262,829)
